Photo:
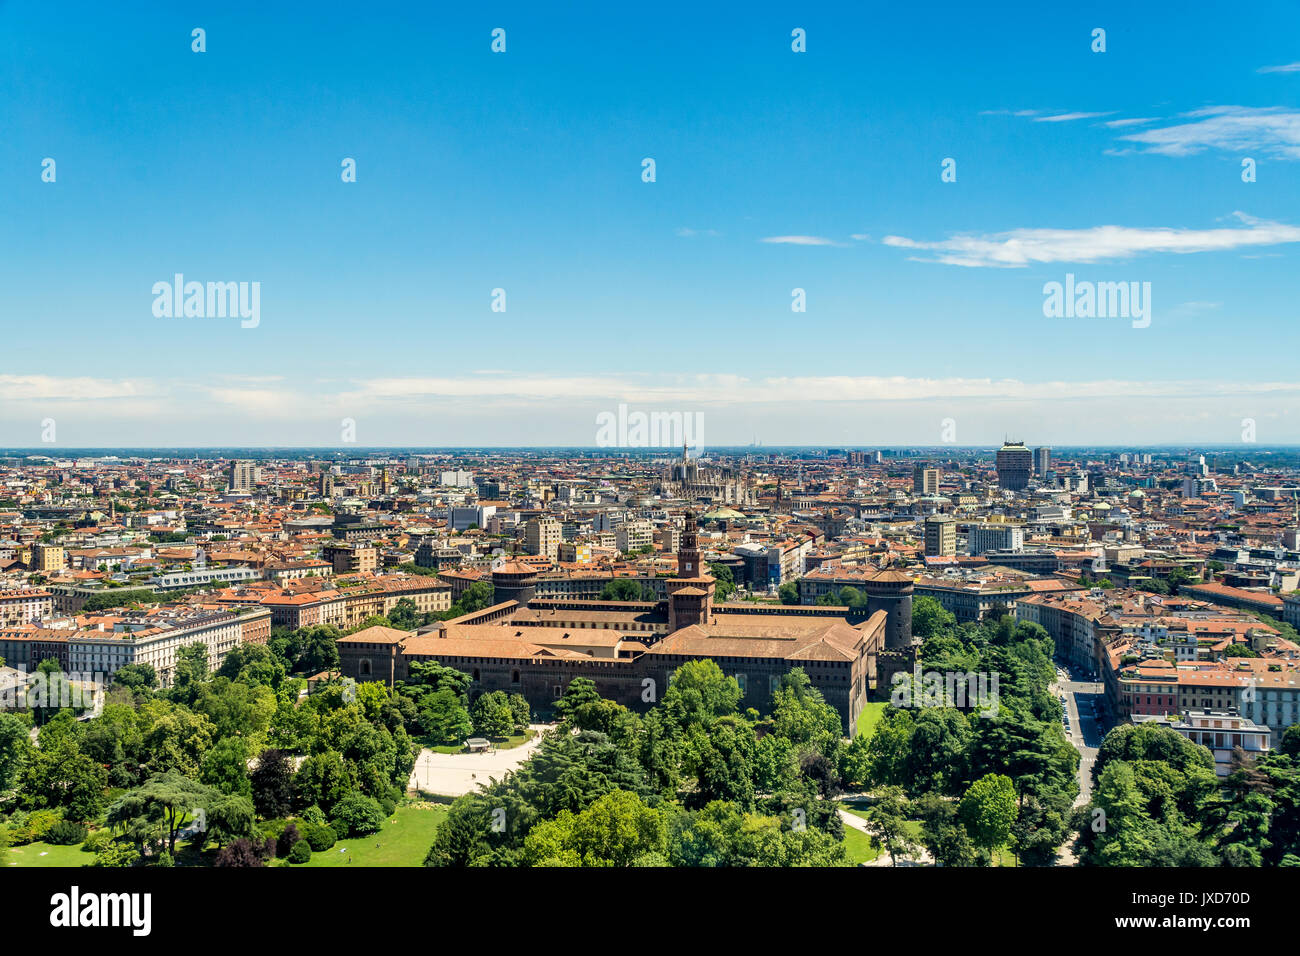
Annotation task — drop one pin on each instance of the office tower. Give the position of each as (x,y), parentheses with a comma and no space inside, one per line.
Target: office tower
(1042,461)
(995,537)
(1015,463)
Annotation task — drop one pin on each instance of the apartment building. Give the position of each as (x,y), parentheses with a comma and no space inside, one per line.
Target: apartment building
(350,558)
(940,536)
(634,535)
(48,558)
(543,536)
(1221,732)
(23,605)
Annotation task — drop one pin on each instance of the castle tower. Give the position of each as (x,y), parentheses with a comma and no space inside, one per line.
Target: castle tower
(891,591)
(688,555)
(514,581)
(690,594)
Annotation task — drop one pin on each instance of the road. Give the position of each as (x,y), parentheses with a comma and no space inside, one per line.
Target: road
(1084,704)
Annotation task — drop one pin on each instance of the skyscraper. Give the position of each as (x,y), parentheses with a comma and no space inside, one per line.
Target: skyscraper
(1042,461)
(1015,463)
(243,475)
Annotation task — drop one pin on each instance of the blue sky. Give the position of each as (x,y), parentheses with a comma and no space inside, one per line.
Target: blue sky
(775,170)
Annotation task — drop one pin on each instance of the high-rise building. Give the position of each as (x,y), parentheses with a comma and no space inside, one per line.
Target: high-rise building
(940,536)
(925,480)
(243,475)
(1015,463)
(1042,461)
(543,536)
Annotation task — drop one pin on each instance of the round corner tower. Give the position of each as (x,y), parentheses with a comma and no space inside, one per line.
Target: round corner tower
(891,591)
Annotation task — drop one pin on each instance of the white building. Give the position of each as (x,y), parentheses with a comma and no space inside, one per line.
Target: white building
(152,637)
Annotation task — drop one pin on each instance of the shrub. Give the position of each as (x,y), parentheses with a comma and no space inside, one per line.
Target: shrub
(245,852)
(66,833)
(314,814)
(300,853)
(319,836)
(357,815)
(96,840)
(32,827)
(116,853)
(289,838)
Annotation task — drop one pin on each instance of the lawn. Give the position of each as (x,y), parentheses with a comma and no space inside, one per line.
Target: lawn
(858,846)
(30,855)
(869,717)
(403,841)
(509,743)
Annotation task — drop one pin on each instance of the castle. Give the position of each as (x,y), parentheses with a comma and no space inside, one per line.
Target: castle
(535,646)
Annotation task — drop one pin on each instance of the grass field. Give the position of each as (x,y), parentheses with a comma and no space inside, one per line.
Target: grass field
(30,855)
(403,841)
(858,846)
(869,717)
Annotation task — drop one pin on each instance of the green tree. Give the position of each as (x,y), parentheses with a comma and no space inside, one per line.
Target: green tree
(929,619)
(136,676)
(492,715)
(616,830)
(155,812)
(988,809)
(725,585)
(888,824)
(445,718)
(225,767)
(581,690)
(621,589)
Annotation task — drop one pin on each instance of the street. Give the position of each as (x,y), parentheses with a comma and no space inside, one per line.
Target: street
(1084,706)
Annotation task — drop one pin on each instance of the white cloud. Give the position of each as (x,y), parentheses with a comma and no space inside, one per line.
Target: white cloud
(542,409)
(1285,68)
(15,388)
(1069,117)
(1018,248)
(801,240)
(1274,130)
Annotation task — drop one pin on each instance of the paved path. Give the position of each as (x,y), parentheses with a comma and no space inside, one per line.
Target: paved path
(923,858)
(454,774)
